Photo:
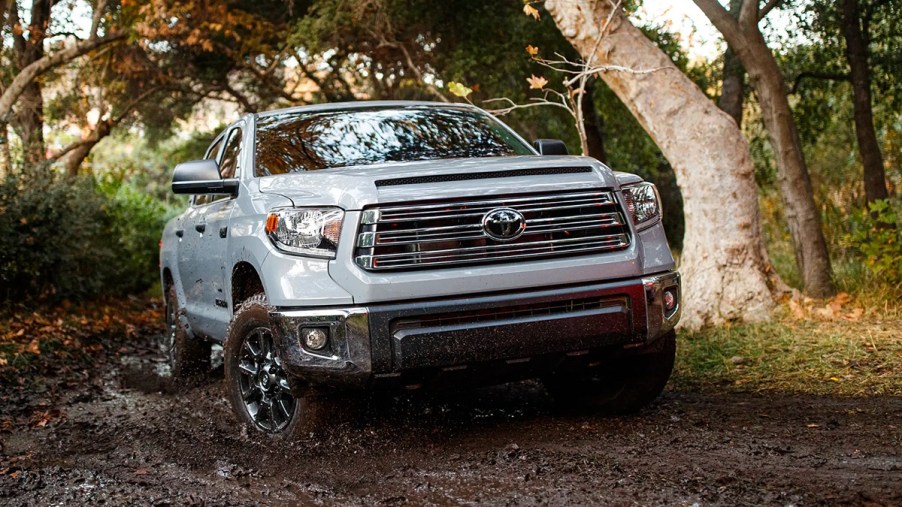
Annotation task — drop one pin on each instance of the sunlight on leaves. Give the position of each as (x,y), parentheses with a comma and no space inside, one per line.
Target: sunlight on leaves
(459,89)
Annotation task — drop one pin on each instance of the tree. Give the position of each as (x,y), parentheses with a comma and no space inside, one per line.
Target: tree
(723,259)
(860,76)
(745,38)
(732,91)
(21,100)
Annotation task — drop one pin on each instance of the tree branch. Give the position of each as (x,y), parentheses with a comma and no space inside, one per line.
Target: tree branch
(720,17)
(828,76)
(45,63)
(97,17)
(767,7)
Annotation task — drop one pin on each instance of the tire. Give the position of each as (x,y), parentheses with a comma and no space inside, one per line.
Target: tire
(187,357)
(624,387)
(262,394)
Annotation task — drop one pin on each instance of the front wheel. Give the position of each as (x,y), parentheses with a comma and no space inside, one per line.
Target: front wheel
(619,388)
(258,388)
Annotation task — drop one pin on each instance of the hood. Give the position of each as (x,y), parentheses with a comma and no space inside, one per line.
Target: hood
(353,188)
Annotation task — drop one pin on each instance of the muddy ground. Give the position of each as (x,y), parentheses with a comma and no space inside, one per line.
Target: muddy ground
(118,433)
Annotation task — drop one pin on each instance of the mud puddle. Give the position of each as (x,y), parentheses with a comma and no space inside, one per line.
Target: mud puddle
(128,434)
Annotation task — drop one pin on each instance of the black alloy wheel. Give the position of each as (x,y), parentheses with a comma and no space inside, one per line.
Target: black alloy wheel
(263,384)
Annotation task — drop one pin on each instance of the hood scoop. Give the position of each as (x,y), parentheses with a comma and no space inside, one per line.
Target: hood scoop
(441,178)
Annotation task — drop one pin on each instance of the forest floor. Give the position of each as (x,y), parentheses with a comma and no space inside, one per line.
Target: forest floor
(86,419)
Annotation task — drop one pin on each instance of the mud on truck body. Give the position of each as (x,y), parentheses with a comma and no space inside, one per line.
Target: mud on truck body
(346,247)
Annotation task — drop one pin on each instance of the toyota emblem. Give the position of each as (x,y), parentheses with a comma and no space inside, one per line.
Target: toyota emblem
(503,224)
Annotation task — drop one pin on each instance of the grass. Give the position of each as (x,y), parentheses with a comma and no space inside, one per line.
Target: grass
(837,357)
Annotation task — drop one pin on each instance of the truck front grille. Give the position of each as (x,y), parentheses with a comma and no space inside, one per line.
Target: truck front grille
(452,233)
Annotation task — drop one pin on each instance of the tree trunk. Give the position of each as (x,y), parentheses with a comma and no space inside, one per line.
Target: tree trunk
(733,88)
(29,117)
(593,126)
(75,158)
(868,147)
(28,123)
(6,159)
(722,262)
(802,215)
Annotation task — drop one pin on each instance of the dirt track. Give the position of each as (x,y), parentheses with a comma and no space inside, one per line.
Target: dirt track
(122,435)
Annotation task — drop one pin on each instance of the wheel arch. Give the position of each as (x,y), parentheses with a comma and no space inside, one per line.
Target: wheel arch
(246,282)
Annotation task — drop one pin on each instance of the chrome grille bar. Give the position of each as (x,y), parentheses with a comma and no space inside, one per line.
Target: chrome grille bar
(440,234)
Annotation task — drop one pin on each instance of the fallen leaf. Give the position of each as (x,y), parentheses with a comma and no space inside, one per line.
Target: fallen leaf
(536,82)
(41,419)
(529,10)
(812,425)
(459,89)
(142,471)
(532,50)
(826,312)
(34,347)
(842,298)
(855,314)
(834,379)
(797,310)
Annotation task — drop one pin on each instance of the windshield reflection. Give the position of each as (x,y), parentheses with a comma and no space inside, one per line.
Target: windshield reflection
(293,142)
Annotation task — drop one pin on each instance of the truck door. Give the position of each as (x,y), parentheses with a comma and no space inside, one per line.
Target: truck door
(212,225)
(189,238)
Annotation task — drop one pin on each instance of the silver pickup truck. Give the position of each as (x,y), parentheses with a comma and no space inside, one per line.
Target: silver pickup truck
(369,245)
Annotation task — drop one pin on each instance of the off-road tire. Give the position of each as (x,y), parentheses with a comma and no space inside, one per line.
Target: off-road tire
(622,387)
(188,357)
(310,411)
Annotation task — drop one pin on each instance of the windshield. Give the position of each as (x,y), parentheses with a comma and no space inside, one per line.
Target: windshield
(299,141)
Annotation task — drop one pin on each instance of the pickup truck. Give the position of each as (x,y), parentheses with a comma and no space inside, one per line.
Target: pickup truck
(339,248)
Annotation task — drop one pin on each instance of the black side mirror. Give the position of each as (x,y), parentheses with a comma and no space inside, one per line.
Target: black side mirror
(550,147)
(201,177)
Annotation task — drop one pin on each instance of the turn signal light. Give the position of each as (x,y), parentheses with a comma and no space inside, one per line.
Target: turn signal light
(272,222)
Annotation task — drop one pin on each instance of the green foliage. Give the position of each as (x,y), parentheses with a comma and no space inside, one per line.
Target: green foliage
(136,224)
(50,231)
(876,236)
(70,238)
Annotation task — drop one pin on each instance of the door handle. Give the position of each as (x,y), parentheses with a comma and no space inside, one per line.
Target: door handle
(200,227)
(180,232)
(223,232)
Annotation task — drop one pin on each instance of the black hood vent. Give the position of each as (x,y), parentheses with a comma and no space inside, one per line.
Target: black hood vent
(442,178)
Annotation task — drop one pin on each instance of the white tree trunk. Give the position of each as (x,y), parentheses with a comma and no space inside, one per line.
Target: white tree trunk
(723,263)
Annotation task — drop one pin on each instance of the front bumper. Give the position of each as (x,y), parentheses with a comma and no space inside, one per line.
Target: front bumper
(481,339)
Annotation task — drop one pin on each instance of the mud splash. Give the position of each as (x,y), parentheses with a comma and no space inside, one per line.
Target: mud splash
(128,434)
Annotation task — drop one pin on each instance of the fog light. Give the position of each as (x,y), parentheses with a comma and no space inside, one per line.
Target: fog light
(315,338)
(669,300)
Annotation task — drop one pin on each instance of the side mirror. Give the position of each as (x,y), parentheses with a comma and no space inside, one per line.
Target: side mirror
(550,147)
(201,177)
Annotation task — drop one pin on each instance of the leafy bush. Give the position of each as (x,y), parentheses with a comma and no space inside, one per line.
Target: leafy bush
(70,238)
(876,236)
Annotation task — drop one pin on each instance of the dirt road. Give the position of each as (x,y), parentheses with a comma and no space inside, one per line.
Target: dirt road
(120,434)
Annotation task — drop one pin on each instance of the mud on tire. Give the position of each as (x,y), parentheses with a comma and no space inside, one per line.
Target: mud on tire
(262,394)
(622,387)
(187,356)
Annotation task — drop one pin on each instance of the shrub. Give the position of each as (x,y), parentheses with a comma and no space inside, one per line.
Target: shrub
(136,222)
(70,238)
(877,237)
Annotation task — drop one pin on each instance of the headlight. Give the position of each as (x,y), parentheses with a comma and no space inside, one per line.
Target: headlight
(306,231)
(642,203)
